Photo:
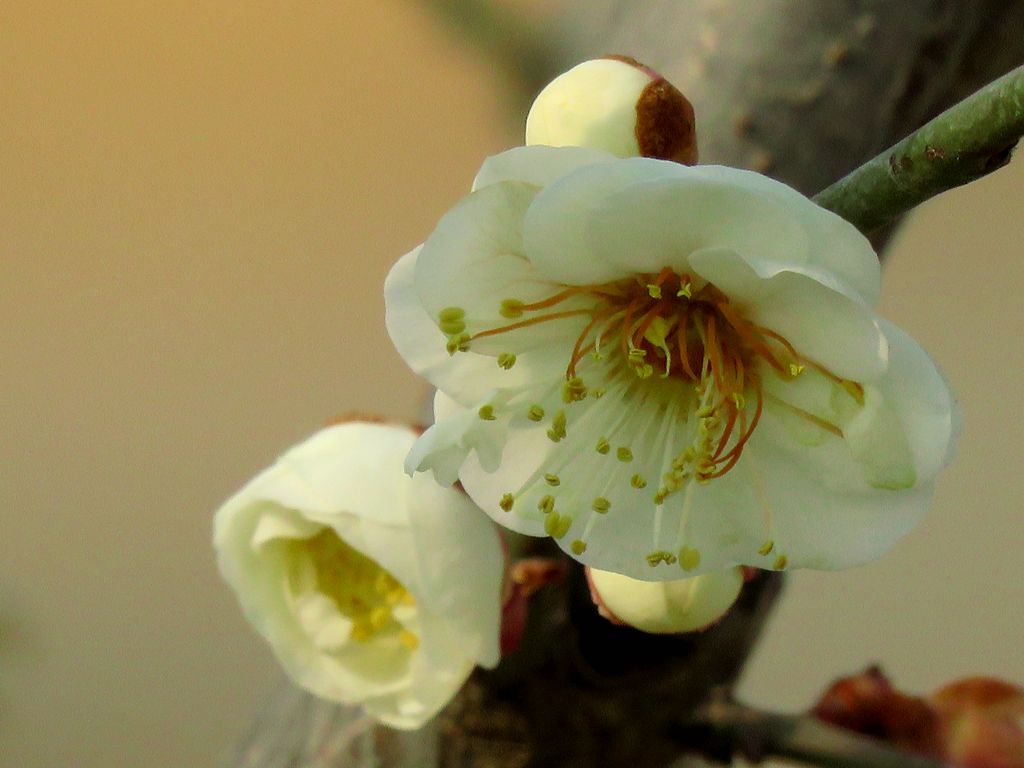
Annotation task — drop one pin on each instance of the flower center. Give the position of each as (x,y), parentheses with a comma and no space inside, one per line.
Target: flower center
(363,591)
(666,325)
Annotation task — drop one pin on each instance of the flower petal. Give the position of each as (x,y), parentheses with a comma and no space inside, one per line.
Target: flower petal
(556,231)
(422,344)
(473,262)
(659,222)
(538,165)
(822,321)
(835,245)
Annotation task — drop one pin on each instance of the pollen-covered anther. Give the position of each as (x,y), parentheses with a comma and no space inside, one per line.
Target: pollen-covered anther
(511,308)
(624,454)
(556,525)
(658,557)
(535,413)
(506,502)
(506,360)
(574,390)
(558,427)
(603,446)
(578,547)
(546,504)
(780,563)
(637,481)
(689,558)
(486,412)
(766,548)
(601,505)
(457,343)
(553,480)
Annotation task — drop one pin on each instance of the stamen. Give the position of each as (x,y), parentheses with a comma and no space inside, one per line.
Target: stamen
(506,360)
(535,413)
(817,421)
(507,500)
(689,558)
(486,412)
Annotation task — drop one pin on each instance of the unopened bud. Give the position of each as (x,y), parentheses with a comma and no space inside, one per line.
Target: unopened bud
(618,105)
(665,607)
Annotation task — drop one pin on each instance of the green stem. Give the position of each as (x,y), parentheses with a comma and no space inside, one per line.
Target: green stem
(724,729)
(964,143)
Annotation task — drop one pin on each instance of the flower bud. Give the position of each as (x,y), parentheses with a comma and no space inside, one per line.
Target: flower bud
(665,607)
(618,105)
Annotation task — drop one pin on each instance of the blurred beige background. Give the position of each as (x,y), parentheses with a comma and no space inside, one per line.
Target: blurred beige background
(198,205)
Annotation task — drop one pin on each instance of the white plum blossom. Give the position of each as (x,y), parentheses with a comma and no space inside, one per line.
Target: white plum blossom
(670,370)
(372,587)
(666,607)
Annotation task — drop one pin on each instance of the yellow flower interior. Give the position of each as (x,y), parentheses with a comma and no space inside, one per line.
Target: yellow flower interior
(363,591)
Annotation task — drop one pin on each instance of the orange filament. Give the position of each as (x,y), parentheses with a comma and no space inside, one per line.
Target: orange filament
(708,328)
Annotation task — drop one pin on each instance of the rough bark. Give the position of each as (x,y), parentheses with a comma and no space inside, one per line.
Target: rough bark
(805,91)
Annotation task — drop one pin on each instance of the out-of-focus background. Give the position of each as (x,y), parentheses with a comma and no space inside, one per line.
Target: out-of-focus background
(198,205)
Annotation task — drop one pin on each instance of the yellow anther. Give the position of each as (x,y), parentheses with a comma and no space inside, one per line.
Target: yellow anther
(689,558)
(546,504)
(556,525)
(795,369)
(659,556)
(623,453)
(486,412)
(511,308)
(705,411)
(458,343)
(574,390)
(451,313)
(603,446)
(552,480)
(535,413)
(408,640)
(739,401)
(578,547)
(637,481)
(636,355)
(654,291)
(506,360)
(601,505)
(507,500)
(686,291)
(660,495)
(766,548)
(452,327)
(780,563)
(644,371)
(557,431)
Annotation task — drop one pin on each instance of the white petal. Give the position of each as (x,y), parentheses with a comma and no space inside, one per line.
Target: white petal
(422,344)
(457,432)
(474,260)
(658,223)
(557,234)
(834,244)
(537,165)
(824,514)
(914,421)
(823,322)
(470,602)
